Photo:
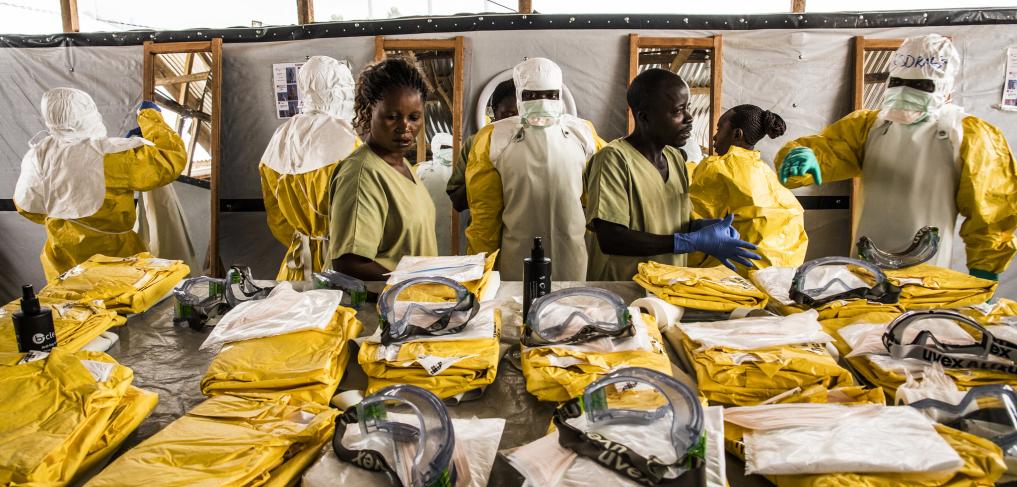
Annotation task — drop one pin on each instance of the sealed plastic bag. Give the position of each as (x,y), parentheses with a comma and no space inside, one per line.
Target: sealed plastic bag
(711,289)
(124,284)
(758,332)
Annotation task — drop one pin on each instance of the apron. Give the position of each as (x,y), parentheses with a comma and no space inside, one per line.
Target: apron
(163,228)
(911,174)
(541,173)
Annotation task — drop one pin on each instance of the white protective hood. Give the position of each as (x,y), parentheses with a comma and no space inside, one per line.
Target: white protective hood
(932,57)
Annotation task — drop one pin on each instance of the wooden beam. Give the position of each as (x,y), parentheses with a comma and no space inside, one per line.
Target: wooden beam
(458,73)
(216,153)
(148,72)
(526,6)
(716,85)
(797,6)
(178,47)
(188,67)
(679,59)
(183,78)
(633,71)
(305,11)
(69,15)
(415,44)
(858,55)
(379,48)
(676,42)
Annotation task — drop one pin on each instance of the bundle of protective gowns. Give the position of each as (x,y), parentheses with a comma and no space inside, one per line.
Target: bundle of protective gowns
(63,414)
(859,341)
(776,283)
(710,289)
(560,372)
(926,286)
(870,446)
(228,441)
(124,284)
(306,365)
(75,322)
(748,361)
(475,272)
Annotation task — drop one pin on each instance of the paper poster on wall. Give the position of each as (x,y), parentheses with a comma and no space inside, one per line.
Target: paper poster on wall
(287,98)
(1009,102)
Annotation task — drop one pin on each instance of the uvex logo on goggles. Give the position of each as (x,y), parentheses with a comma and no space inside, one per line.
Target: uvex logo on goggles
(926,347)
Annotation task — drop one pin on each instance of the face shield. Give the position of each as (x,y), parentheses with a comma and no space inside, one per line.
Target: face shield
(441,148)
(922,249)
(822,281)
(576,315)
(326,86)
(930,57)
(423,451)
(71,114)
(641,397)
(403,315)
(538,74)
(988,412)
(985,352)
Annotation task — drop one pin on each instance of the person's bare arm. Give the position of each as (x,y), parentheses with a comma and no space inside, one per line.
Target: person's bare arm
(360,267)
(615,239)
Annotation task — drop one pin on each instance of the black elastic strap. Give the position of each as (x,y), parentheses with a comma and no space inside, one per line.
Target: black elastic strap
(370,460)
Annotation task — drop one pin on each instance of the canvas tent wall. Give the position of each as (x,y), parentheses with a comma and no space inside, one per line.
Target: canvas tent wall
(797,65)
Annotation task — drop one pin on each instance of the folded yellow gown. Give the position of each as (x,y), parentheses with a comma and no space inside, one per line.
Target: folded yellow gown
(124,284)
(63,413)
(926,286)
(227,441)
(561,372)
(710,289)
(306,365)
(75,322)
(1000,312)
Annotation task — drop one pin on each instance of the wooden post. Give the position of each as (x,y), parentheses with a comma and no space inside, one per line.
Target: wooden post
(797,6)
(633,71)
(216,80)
(379,48)
(305,11)
(716,85)
(458,76)
(69,15)
(526,6)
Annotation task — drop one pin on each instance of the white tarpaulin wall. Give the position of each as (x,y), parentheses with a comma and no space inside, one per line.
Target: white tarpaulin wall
(804,75)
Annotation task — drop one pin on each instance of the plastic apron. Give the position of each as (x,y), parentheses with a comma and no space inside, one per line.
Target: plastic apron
(163,228)
(911,175)
(542,169)
(434,175)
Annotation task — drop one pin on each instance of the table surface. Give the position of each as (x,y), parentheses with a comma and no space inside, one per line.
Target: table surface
(166,360)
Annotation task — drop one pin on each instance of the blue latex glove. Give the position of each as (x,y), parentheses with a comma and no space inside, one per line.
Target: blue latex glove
(705,222)
(799,162)
(149,104)
(992,276)
(716,241)
(135,132)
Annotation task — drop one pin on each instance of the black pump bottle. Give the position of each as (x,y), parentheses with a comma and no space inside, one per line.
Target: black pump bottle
(536,276)
(33,325)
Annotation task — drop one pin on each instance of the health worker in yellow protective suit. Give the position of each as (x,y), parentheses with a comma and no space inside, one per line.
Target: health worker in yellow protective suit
(299,162)
(737,181)
(637,190)
(922,161)
(503,105)
(524,178)
(80,183)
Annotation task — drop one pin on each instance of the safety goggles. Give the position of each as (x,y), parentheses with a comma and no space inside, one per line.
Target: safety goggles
(922,249)
(989,412)
(926,347)
(354,290)
(431,440)
(203,297)
(242,286)
(836,289)
(576,315)
(636,396)
(403,316)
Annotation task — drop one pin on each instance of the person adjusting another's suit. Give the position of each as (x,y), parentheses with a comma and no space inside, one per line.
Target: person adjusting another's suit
(80,183)
(299,161)
(922,161)
(524,178)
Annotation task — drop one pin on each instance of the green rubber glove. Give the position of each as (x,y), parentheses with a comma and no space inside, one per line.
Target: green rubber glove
(799,162)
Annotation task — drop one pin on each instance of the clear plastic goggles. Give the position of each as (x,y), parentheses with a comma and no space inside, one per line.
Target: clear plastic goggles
(425,449)
(203,297)
(985,352)
(989,412)
(354,290)
(636,396)
(922,249)
(576,315)
(420,306)
(810,290)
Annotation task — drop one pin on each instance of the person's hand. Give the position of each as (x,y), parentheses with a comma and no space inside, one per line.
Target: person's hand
(135,132)
(716,241)
(149,104)
(799,162)
(702,223)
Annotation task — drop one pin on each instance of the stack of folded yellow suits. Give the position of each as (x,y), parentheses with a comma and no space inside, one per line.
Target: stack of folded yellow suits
(926,286)
(124,284)
(753,360)
(710,289)
(999,312)
(75,322)
(228,440)
(881,446)
(289,343)
(776,282)
(63,414)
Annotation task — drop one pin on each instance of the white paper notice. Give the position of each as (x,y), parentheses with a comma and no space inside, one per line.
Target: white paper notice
(287,98)
(1009,102)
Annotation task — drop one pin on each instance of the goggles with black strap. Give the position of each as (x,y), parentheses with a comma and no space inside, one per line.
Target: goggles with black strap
(576,315)
(402,318)
(922,249)
(881,292)
(926,347)
(988,411)
(638,396)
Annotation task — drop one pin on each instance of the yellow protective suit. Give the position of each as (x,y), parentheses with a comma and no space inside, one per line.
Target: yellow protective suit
(64,413)
(124,284)
(560,373)
(1001,312)
(926,286)
(985,196)
(306,365)
(227,441)
(76,323)
(110,230)
(711,289)
(765,213)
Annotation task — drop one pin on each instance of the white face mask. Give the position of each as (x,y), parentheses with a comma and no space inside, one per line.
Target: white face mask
(444,156)
(904,104)
(541,113)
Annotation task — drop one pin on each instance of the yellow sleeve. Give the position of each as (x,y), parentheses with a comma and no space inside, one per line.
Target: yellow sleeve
(484,193)
(708,190)
(281,229)
(35,217)
(599,142)
(987,196)
(152,166)
(839,148)
(358,206)
(607,189)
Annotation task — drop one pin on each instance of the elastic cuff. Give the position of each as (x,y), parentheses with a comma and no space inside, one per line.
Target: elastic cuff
(992,276)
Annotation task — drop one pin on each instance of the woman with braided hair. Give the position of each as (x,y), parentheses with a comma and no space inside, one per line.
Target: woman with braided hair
(379,210)
(737,181)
